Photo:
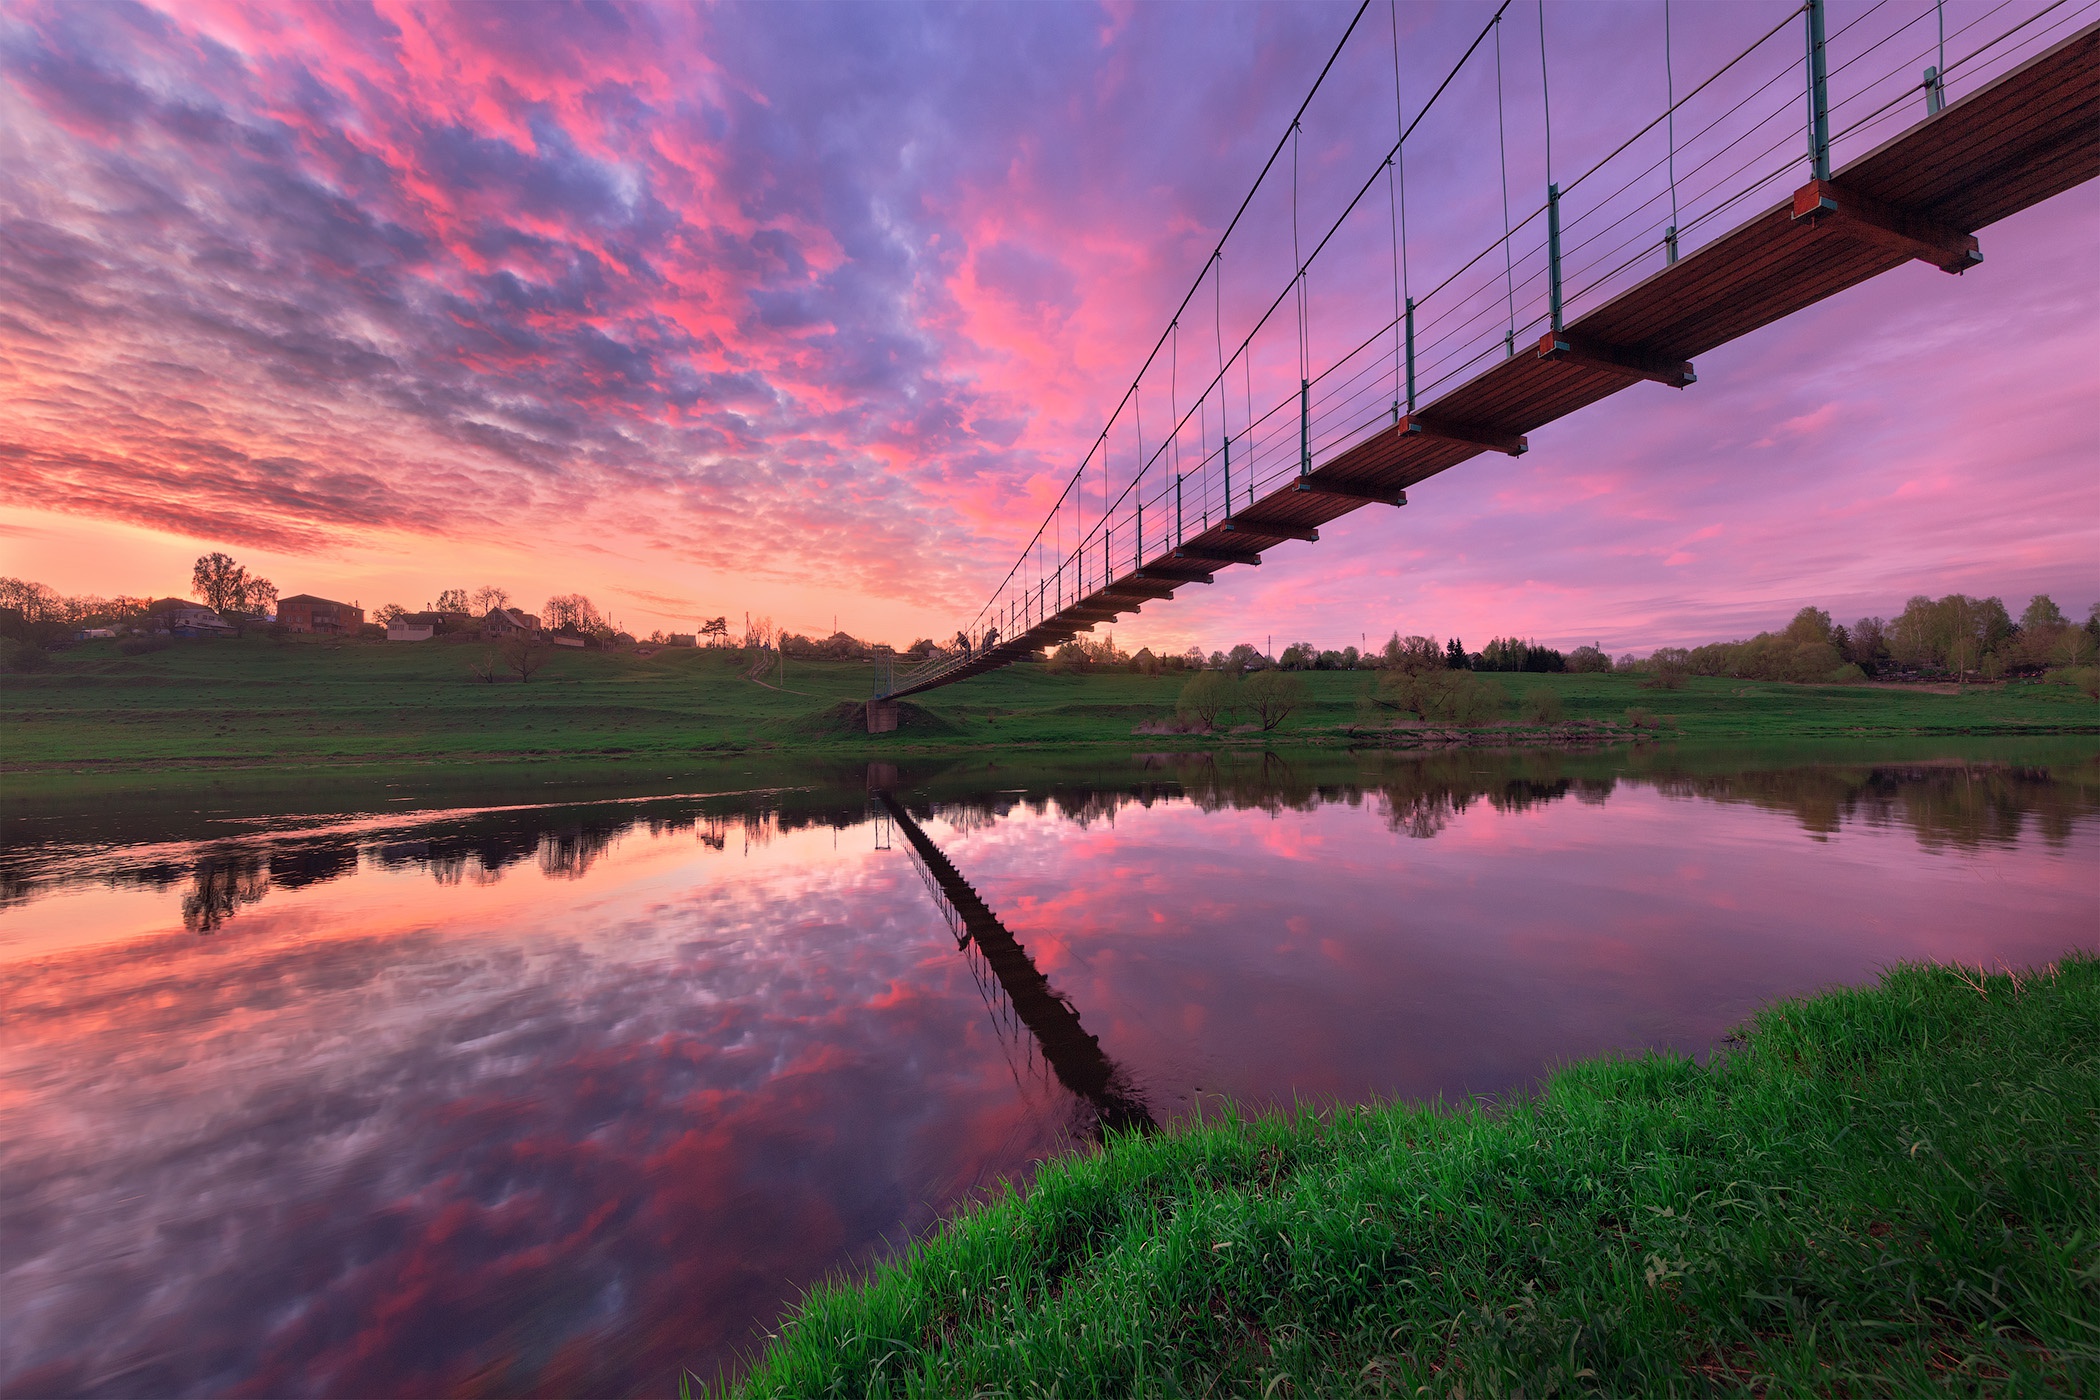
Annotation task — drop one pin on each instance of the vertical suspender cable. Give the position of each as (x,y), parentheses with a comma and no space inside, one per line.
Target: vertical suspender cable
(1304,346)
(1509,270)
(1818,95)
(1552,189)
(1936,77)
(1670,118)
(1403,294)
(1217,292)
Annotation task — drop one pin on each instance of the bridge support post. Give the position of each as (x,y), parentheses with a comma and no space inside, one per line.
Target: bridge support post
(1304,427)
(1553,251)
(882,716)
(1935,92)
(1410,354)
(1818,95)
(1228,475)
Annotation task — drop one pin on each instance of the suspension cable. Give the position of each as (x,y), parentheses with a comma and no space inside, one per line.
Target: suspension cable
(1509,273)
(1545,92)
(1670,97)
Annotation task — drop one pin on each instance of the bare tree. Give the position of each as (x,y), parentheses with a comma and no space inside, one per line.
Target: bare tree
(524,654)
(489,596)
(1273,696)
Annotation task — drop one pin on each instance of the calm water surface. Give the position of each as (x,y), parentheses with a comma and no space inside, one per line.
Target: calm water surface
(562,1098)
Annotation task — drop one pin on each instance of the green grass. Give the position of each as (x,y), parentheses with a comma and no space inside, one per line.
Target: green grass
(301,703)
(1884,1191)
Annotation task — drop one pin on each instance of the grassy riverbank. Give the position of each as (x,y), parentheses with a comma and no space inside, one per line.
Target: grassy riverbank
(1884,1191)
(261,704)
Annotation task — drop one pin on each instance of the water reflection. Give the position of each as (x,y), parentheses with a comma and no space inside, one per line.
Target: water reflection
(561,1097)
(1049,1018)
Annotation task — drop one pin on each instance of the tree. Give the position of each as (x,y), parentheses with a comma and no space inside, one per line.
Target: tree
(2042,615)
(260,596)
(716,630)
(524,654)
(1193,657)
(1298,656)
(573,610)
(1273,696)
(1589,660)
(1208,695)
(1413,655)
(1455,655)
(219,582)
(488,597)
(389,614)
(453,600)
(1244,657)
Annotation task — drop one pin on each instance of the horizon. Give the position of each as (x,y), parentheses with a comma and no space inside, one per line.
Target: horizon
(808,313)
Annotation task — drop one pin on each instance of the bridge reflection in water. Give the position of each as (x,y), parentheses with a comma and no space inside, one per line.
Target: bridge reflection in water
(1074,1055)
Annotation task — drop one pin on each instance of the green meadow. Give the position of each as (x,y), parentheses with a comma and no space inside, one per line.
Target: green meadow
(292,704)
(1884,1191)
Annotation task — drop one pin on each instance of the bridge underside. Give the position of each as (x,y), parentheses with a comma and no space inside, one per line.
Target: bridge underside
(2033,133)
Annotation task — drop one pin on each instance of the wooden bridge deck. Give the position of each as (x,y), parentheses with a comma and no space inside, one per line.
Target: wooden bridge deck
(2031,134)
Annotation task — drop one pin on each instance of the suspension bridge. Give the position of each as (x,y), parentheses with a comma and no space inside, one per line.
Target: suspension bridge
(1624,274)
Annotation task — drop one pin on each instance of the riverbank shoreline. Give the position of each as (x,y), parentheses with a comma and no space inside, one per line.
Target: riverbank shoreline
(250,709)
(1888,1189)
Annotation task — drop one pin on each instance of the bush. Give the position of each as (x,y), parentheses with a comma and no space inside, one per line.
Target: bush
(1847,674)
(1208,695)
(1449,697)
(139,646)
(1542,705)
(1642,719)
(1666,675)
(1272,696)
(1589,661)
(20,656)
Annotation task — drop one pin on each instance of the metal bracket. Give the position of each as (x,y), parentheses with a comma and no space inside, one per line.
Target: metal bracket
(1945,247)
(1595,354)
(1177,580)
(1212,554)
(1512,443)
(1383,495)
(1274,532)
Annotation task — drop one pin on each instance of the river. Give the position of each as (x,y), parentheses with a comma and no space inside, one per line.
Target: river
(497,1097)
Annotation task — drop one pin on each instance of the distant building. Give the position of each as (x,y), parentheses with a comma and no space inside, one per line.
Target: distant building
(505,622)
(182,618)
(302,612)
(567,636)
(682,639)
(422,626)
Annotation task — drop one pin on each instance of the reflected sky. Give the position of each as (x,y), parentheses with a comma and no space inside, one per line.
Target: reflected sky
(560,1099)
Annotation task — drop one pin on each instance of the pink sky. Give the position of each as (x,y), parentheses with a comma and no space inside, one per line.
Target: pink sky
(810,312)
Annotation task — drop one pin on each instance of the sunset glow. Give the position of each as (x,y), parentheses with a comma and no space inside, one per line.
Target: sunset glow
(810,311)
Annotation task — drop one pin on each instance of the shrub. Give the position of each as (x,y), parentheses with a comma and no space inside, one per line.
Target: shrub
(1208,695)
(1847,674)
(1450,697)
(139,646)
(1272,696)
(1664,675)
(1642,719)
(1589,661)
(1542,705)
(20,656)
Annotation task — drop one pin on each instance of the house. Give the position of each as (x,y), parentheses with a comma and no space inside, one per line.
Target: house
(682,639)
(566,635)
(182,618)
(509,622)
(303,612)
(90,634)
(422,626)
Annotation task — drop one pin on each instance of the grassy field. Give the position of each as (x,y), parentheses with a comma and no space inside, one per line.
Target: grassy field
(258,703)
(1888,1191)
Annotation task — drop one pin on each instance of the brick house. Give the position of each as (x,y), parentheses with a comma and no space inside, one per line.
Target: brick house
(302,612)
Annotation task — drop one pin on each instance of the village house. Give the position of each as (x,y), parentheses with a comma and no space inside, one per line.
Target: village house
(509,622)
(422,626)
(302,612)
(182,618)
(682,639)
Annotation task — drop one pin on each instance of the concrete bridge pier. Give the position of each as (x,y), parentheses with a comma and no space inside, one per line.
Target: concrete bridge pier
(882,716)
